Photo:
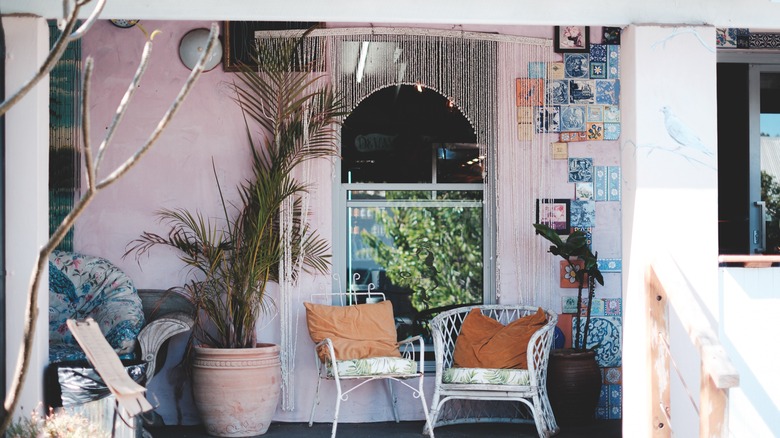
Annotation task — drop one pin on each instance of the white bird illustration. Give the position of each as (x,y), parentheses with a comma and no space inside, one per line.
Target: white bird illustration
(682,134)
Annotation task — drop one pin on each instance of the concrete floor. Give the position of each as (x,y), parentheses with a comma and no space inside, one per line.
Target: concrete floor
(410,429)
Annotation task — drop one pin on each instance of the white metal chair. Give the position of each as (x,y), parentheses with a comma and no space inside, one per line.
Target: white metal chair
(472,395)
(362,371)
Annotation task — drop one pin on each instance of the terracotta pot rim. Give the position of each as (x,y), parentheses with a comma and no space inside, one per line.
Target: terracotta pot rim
(258,346)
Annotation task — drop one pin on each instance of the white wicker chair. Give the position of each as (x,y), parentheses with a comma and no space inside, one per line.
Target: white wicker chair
(522,398)
(363,371)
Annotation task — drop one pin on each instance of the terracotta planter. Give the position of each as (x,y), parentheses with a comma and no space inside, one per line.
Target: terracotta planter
(236,390)
(573,385)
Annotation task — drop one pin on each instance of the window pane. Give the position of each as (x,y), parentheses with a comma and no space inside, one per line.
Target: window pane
(770,159)
(422,258)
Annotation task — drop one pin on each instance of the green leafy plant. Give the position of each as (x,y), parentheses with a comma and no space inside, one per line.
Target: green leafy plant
(575,247)
(233,258)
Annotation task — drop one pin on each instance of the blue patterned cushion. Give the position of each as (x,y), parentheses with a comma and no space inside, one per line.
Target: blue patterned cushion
(83,286)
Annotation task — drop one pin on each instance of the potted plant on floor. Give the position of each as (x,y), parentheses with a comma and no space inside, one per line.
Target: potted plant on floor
(574,378)
(233,258)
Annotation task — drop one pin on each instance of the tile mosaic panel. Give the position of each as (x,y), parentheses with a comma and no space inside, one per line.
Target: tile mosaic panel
(611,131)
(582,91)
(615,401)
(613,183)
(580,170)
(558,92)
(530,92)
(537,69)
(598,53)
(595,131)
(764,40)
(583,190)
(598,70)
(570,137)
(555,70)
(613,61)
(583,213)
(600,183)
(610,265)
(597,309)
(611,113)
(613,306)
(608,91)
(575,65)
(605,332)
(548,118)
(595,113)
(573,118)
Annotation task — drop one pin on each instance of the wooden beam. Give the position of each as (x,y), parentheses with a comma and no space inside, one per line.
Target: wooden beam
(658,358)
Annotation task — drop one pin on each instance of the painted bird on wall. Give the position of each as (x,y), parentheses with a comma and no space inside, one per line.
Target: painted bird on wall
(682,134)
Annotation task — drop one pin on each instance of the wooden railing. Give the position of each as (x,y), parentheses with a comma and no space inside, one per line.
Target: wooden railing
(666,286)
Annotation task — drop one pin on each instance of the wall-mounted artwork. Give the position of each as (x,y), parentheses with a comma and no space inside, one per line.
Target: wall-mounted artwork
(580,170)
(582,213)
(571,39)
(554,213)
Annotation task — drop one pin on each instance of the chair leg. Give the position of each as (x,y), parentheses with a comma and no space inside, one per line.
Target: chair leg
(428,424)
(393,400)
(434,414)
(316,400)
(338,407)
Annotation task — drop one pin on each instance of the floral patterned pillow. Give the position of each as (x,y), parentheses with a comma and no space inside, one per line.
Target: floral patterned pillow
(83,286)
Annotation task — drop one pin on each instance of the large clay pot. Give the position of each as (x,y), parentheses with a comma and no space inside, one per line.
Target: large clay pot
(236,390)
(573,385)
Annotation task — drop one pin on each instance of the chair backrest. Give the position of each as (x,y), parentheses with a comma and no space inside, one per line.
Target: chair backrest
(446,327)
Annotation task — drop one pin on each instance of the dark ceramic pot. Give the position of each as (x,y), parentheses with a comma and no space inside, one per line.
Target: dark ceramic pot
(573,385)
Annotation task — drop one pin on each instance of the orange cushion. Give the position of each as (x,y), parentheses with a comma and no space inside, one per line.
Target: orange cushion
(357,332)
(484,342)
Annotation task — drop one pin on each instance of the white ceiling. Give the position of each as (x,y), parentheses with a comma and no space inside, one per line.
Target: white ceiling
(721,13)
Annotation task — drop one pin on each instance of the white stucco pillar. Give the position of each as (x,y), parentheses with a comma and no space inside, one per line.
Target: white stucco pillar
(26,191)
(669,144)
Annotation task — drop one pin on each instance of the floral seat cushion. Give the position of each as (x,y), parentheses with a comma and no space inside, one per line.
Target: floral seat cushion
(82,286)
(487,376)
(375,366)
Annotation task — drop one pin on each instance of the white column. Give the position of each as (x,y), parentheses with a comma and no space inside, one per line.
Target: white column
(670,198)
(26,190)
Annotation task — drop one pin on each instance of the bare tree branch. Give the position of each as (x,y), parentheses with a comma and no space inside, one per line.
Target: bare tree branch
(31,309)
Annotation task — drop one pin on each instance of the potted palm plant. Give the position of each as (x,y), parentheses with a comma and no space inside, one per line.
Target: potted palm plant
(574,378)
(233,258)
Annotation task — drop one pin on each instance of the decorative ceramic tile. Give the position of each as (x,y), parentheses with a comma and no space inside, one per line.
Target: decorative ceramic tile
(613,376)
(570,137)
(603,397)
(611,113)
(558,92)
(582,92)
(605,334)
(530,92)
(569,304)
(548,118)
(600,183)
(537,70)
(525,114)
(583,190)
(560,150)
(611,131)
(583,213)
(610,35)
(613,61)
(597,309)
(575,65)
(726,38)
(608,91)
(569,273)
(555,70)
(613,306)
(602,413)
(615,395)
(573,118)
(610,265)
(764,40)
(588,235)
(595,131)
(525,131)
(613,183)
(580,170)
(615,412)
(598,53)
(598,70)
(595,113)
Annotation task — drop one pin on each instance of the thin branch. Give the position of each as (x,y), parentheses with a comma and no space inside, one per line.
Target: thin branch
(87,25)
(85,120)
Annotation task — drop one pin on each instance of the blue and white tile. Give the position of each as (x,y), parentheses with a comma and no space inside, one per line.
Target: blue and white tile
(600,183)
(583,213)
(598,53)
(576,65)
(613,61)
(537,70)
(605,333)
(608,91)
(613,183)
(598,70)
(610,265)
(573,118)
(611,131)
(595,113)
(580,169)
(611,114)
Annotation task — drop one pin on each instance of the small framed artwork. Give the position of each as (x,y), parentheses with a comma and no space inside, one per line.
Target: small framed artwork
(555,214)
(571,39)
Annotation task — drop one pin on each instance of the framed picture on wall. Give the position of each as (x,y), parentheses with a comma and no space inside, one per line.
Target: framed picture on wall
(555,213)
(571,39)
